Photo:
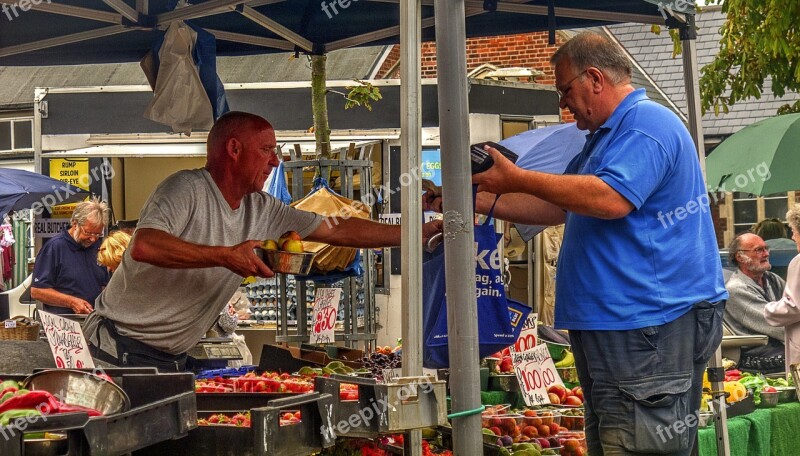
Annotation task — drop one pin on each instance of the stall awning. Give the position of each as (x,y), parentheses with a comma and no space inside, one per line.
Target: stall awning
(189,149)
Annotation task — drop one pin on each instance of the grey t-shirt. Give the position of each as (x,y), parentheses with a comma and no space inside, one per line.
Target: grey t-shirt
(171,309)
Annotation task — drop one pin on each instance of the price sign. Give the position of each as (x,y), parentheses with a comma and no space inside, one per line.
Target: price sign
(527,337)
(326,307)
(535,373)
(11,324)
(67,343)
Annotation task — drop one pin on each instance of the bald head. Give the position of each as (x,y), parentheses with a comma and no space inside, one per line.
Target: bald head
(232,125)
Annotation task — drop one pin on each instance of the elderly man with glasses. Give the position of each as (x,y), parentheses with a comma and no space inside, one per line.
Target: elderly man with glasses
(66,276)
(751,287)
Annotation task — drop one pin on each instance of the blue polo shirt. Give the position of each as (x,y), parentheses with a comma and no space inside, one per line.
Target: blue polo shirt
(649,267)
(66,266)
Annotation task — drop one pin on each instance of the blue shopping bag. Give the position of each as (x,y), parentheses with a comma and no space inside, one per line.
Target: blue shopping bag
(500,319)
(276,184)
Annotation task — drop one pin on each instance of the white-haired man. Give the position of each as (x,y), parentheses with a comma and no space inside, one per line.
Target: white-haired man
(66,276)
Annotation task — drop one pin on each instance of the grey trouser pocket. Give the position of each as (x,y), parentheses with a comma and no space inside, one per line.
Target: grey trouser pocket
(660,408)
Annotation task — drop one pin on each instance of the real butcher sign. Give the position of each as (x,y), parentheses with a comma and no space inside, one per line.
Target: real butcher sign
(67,343)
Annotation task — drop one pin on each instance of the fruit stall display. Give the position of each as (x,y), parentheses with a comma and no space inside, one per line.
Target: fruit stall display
(550,429)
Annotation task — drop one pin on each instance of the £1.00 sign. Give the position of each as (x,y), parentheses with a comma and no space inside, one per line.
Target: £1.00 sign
(527,337)
(326,307)
(535,373)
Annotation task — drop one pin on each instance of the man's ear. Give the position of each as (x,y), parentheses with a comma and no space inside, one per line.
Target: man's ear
(233,147)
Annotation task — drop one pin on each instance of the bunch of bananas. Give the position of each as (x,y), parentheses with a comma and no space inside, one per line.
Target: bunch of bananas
(567,360)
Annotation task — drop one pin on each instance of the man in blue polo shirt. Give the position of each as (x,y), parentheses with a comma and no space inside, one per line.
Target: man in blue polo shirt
(66,277)
(639,281)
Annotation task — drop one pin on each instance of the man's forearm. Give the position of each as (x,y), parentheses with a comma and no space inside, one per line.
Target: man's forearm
(582,194)
(164,250)
(521,208)
(356,232)
(52,297)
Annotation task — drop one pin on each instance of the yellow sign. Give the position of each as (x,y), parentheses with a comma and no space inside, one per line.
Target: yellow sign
(73,172)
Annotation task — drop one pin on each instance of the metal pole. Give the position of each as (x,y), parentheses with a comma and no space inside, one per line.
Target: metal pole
(690,75)
(462,312)
(411,210)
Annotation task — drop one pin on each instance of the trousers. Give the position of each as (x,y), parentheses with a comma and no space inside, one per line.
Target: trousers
(642,387)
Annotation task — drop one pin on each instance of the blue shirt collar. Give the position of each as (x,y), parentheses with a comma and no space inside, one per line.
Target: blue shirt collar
(627,103)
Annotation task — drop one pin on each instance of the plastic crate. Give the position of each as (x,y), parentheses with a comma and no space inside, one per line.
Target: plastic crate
(230,372)
(265,436)
(163,407)
(384,408)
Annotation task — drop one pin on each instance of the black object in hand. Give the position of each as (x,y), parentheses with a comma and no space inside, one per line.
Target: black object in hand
(481,160)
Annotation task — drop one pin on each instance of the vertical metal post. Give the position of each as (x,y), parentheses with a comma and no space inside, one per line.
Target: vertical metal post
(462,311)
(411,203)
(690,75)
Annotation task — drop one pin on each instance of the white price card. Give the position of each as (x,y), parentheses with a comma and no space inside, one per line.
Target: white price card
(11,324)
(67,342)
(527,337)
(326,307)
(392,374)
(535,373)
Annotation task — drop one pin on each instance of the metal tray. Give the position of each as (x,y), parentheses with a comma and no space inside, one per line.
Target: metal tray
(396,407)
(163,407)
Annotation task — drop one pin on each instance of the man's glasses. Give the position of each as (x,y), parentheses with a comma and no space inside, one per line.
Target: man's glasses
(88,234)
(563,92)
(760,250)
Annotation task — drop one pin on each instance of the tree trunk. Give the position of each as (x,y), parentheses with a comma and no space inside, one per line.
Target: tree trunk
(322,132)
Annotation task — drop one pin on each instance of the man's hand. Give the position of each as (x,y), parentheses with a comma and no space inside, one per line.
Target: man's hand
(79,306)
(431,202)
(500,178)
(243,260)
(430,229)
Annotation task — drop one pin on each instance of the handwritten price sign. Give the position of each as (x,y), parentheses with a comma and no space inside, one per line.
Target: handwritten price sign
(527,337)
(535,373)
(326,307)
(67,343)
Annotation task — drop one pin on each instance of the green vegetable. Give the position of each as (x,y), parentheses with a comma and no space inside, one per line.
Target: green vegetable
(754,383)
(6,417)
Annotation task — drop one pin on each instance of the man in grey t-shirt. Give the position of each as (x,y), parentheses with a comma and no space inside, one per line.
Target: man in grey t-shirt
(194,242)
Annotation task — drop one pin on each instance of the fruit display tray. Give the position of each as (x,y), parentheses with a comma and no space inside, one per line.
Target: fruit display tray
(408,403)
(265,437)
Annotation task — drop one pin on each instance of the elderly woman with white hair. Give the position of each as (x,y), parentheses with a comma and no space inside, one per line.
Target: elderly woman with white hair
(786,311)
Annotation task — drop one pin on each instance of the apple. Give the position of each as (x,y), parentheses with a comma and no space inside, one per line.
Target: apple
(506,365)
(554,399)
(769,389)
(293,235)
(558,390)
(578,391)
(573,400)
(270,244)
(292,245)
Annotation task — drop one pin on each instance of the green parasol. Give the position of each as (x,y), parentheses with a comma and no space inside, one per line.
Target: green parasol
(762,158)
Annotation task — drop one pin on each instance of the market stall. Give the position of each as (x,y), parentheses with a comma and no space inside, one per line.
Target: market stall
(25,38)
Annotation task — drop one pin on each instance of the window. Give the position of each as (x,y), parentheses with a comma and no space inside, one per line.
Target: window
(747,209)
(16,134)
